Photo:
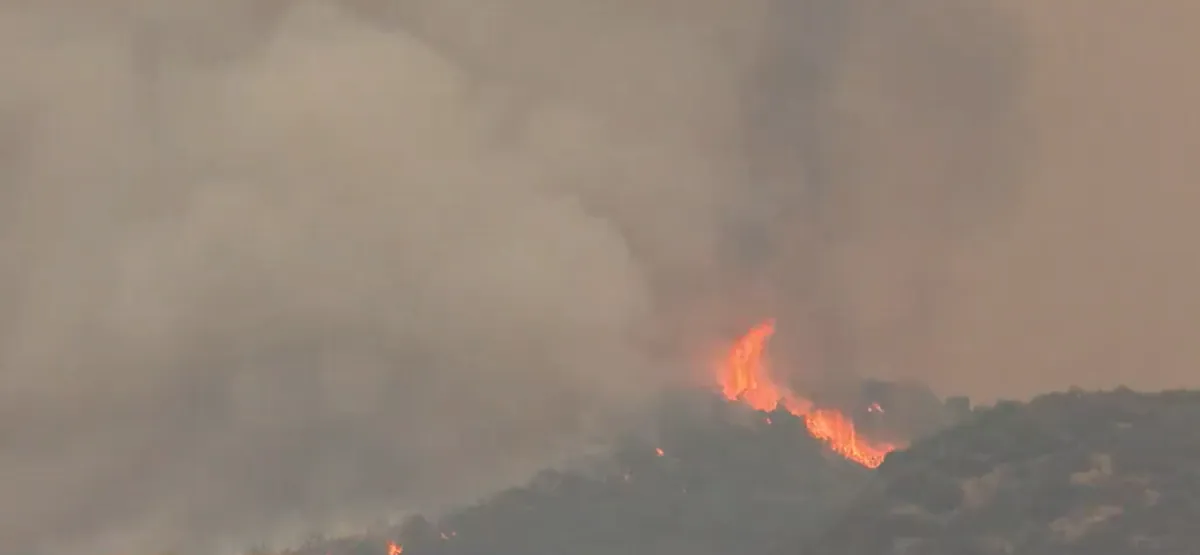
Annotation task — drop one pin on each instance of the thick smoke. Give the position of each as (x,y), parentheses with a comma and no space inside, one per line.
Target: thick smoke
(884,138)
(274,267)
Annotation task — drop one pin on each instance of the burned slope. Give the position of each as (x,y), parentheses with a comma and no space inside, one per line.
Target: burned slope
(714,476)
(1097,473)
(732,481)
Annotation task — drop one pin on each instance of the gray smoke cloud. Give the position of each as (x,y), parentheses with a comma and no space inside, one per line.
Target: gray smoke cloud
(274,267)
(885,138)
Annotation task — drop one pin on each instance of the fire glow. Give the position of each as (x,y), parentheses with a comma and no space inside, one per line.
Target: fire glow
(744,377)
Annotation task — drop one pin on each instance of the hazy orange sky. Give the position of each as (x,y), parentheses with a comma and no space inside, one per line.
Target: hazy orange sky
(275,267)
(1097,282)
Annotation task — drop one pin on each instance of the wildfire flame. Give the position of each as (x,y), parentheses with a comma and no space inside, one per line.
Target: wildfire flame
(395,548)
(744,377)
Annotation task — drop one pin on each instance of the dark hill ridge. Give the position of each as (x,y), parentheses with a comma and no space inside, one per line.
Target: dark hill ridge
(1097,473)
(714,489)
(1069,473)
(727,481)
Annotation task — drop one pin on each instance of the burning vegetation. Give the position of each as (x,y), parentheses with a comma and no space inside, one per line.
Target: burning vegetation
(704,486)
(711,482)
(1094,473)
(1107,473)
(1103,473)
(745,377)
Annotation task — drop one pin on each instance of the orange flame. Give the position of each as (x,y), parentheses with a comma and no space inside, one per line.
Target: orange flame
(744,377)
(395,548)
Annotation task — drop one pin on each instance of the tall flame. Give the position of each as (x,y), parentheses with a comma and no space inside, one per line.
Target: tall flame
(744,377)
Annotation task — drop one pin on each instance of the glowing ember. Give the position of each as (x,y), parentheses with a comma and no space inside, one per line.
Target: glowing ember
(394,548)
(744,377)
(658,451)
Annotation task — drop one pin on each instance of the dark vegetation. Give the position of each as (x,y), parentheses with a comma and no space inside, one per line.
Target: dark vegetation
(1097,473)
(727,478)
(1113,473)
(714,489)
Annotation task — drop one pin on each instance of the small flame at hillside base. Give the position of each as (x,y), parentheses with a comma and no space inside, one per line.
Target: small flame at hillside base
(744,377)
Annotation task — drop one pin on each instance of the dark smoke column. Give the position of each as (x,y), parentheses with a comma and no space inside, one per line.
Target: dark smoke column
(882,138)
(792,167)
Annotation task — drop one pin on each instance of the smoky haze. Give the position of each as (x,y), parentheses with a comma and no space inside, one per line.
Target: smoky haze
(274,267)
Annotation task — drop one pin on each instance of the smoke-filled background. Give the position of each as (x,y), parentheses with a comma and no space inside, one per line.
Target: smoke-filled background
(276,267)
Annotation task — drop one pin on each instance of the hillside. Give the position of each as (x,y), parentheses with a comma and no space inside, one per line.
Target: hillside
(1114,473)
(1067,473)
(718,477)
(711,487)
